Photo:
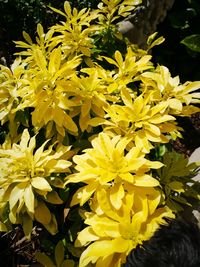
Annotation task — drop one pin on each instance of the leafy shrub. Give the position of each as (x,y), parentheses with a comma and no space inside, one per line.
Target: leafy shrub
(88,129)
(19,15)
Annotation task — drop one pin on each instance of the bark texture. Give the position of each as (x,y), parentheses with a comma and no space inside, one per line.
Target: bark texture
(144,22)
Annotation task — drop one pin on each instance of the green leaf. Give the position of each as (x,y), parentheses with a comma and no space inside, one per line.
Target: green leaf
(192,42)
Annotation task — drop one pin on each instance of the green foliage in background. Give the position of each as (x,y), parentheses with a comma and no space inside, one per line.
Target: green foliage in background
(180,51)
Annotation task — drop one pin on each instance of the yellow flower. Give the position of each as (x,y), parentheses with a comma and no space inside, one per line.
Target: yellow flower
(112,234)
(26,180)
(107,163)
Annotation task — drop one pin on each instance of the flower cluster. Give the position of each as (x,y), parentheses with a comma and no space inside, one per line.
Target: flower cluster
(83,128)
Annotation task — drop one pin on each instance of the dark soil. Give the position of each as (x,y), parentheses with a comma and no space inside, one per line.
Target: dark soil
(191,135)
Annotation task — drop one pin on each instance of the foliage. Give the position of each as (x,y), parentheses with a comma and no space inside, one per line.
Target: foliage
(192,42)
(19,15)
(181,31)
(82,127)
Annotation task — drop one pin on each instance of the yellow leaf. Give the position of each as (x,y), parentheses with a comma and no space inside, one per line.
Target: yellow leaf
(175,104)
(42,213)
(41,183)
(52,226)
(102,249)
(96,122)
(85,108)
(67,8)
(85,236)
(24,139)
(58,165)
(53,197)
(69,124)
(27,37)
(44,260)
(55,60)
(119,59)
(40,59)
(83,194)
(176,186)
(145,180)
(27,225)
(29,199)
(116,195)
(59,253)
(3,227)
(68,263)
(16,194)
